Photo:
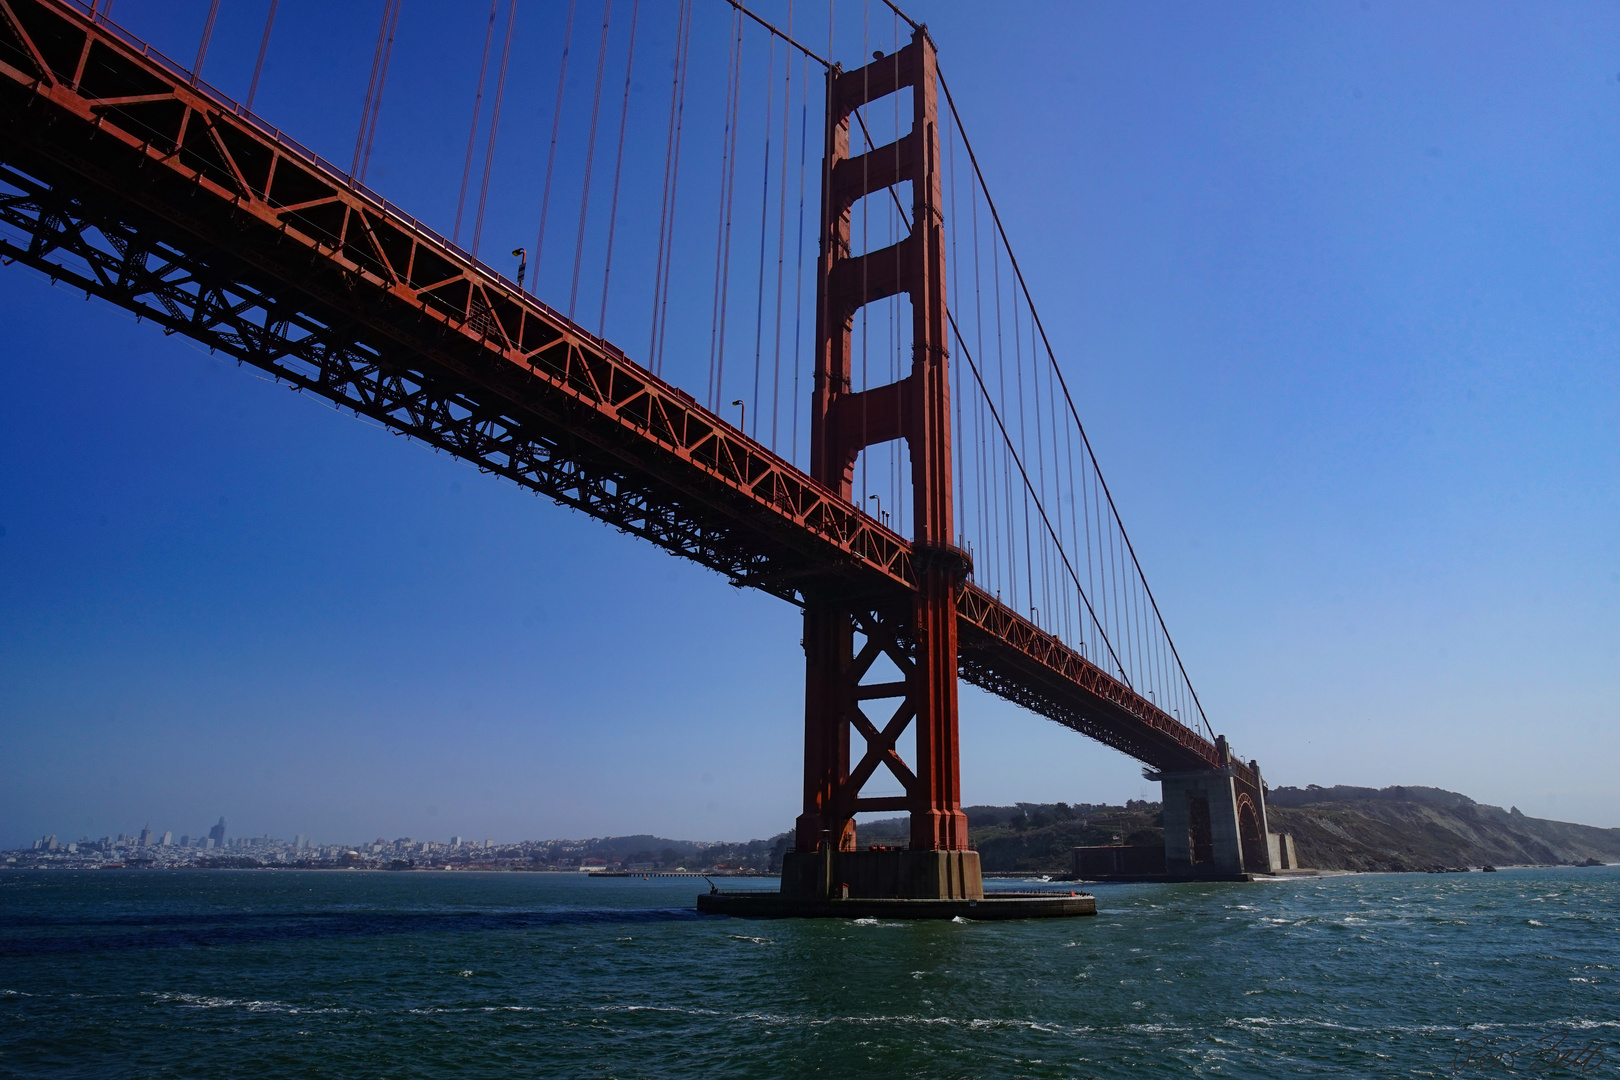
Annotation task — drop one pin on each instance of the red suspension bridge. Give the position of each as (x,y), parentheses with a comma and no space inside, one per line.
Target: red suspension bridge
(912,473)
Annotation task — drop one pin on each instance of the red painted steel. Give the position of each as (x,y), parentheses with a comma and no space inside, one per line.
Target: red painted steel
(844,422)
(134,184)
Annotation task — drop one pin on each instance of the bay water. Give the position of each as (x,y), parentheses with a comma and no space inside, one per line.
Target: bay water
(340,974)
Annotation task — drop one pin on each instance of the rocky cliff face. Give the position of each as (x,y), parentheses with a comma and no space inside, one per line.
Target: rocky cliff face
(1415,828)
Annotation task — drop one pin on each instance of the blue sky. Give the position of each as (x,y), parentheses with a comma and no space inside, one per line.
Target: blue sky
(1336,286)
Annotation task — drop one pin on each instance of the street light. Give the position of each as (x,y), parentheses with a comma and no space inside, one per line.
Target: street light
(742,420)
(522,257)
(881,516)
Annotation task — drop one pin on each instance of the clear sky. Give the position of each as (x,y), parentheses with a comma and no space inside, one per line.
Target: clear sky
(1338,288)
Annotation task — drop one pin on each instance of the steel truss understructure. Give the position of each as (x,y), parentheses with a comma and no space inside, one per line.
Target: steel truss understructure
(121,177)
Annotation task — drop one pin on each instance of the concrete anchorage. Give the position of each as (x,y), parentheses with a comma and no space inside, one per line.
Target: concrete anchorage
(1215,823)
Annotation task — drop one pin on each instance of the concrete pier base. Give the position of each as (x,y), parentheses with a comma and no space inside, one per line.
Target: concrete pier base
(765,905)
(890,884)
(1201,837)
(882,875)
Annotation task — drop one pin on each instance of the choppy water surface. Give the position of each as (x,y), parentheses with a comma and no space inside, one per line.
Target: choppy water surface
(224,974)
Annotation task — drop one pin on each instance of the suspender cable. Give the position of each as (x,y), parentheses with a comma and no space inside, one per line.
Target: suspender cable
(374,90)
(866,245)
(1007,440)
(671,174)
(494,129)
(264,45)
(1086,441)
(673,188)
(764,215)
(472,128)
(590,158)
(781,240)
(202,46)
(956,394)
(618,164)
(728,188)
(551,155)
(798,281)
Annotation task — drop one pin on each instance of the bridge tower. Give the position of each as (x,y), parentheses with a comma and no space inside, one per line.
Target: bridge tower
(845,630)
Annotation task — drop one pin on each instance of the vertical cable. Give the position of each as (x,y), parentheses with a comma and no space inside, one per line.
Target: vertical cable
(1094,474)
(677,105)
(590,158)
(1006,467)
(865,457)
(675,187)
(551,154)
(374,91)
(798,283)
(764,212)
(728,192)
(1022,447)
(897,482)
(264,45)
(781,240)
(960,524)
(494,130)
(202,46)
(618,164)
(985,502)
(472,128)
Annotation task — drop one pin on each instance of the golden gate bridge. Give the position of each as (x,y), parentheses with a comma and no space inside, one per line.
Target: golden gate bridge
(912,473)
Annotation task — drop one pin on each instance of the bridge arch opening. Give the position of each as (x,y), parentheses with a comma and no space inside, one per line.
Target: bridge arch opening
(1251,838)
(1200,837)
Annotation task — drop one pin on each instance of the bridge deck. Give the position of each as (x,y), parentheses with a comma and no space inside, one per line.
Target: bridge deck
(120,176)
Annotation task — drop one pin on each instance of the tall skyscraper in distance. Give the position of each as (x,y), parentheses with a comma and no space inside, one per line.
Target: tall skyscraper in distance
(217,834)
(146,836)
(168,839)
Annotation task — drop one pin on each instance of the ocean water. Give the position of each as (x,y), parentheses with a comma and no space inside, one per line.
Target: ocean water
(224,974)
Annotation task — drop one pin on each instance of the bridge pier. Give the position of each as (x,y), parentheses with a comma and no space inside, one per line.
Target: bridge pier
(1201,837)
(882,875)
(1215,821)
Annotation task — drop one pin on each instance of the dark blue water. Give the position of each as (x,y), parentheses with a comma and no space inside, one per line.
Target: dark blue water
(223,974)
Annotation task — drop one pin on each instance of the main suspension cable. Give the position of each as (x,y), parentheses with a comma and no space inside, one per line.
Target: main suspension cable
(967,355)
(1068,397)
(787,37)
